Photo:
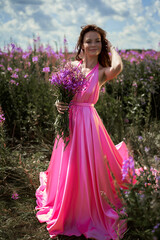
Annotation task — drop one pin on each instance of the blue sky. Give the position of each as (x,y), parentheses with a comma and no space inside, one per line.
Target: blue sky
(129,23)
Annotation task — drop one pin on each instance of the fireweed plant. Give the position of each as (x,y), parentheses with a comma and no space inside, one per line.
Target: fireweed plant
(141,200)
(67,82)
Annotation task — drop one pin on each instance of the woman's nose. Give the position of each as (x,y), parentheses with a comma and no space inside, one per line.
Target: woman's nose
(93,44)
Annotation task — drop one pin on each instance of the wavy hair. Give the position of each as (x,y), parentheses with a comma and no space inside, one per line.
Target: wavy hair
(103,57)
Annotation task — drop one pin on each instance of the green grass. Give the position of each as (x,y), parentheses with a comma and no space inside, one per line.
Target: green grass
(18,219)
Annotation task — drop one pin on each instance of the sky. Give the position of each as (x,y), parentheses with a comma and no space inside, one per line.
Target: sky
(130,24)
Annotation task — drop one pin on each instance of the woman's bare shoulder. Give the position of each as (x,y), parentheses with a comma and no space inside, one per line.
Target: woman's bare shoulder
(75,63)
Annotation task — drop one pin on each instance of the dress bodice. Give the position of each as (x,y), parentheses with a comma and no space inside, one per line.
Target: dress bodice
(91,93)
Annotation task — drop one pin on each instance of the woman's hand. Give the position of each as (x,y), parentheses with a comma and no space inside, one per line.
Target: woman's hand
(61,106)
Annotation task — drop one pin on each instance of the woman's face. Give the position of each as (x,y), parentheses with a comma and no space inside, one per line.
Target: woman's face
(92,44)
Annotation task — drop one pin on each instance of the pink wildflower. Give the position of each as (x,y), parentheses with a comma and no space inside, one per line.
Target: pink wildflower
(26,75)
(14,75)
(29,48)
(140,138)
(9,69)
(128,167)
(46,69)
(35,59)
(15,196)
(36,40)
(24,56)
(61,54)
(65,40)
(146,149)
(156,158)
(134,84)
(103,90)
(2,118)
(133,60)
(14,82)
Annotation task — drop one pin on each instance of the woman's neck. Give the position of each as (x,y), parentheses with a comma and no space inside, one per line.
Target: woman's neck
(89,62)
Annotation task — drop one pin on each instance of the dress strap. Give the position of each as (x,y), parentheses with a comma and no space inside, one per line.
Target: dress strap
(80,62)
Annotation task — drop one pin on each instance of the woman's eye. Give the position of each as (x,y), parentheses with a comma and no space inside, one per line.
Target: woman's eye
(97,41)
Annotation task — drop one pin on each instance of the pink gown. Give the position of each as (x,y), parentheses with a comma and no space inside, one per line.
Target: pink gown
(73,192)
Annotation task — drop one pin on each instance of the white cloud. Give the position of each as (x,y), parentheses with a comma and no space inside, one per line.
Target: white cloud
(157,6)
(135,6)
(119,7)
(30,25)
(136,34)
(29,10)
(52,19)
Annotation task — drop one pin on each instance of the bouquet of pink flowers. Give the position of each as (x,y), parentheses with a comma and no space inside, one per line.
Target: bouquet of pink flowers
(67,82)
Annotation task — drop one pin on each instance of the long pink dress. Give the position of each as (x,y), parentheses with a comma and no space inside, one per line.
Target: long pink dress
(72,197)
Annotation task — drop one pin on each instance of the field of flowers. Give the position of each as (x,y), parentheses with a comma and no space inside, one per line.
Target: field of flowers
(129,106)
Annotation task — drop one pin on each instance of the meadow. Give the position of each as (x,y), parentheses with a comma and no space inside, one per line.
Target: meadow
(129,106)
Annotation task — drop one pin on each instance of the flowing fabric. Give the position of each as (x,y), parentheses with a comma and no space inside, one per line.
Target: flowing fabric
(78,191)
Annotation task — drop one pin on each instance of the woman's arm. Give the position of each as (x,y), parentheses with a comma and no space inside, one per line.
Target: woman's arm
(116,65)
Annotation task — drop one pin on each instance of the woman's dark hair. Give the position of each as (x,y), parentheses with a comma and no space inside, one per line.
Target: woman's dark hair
(103,57)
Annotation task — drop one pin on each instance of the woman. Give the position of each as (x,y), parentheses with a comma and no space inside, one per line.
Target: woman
(79,191)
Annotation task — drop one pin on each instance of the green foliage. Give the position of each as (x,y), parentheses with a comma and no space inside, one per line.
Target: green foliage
(29,106)
(142,200)
(132,99)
